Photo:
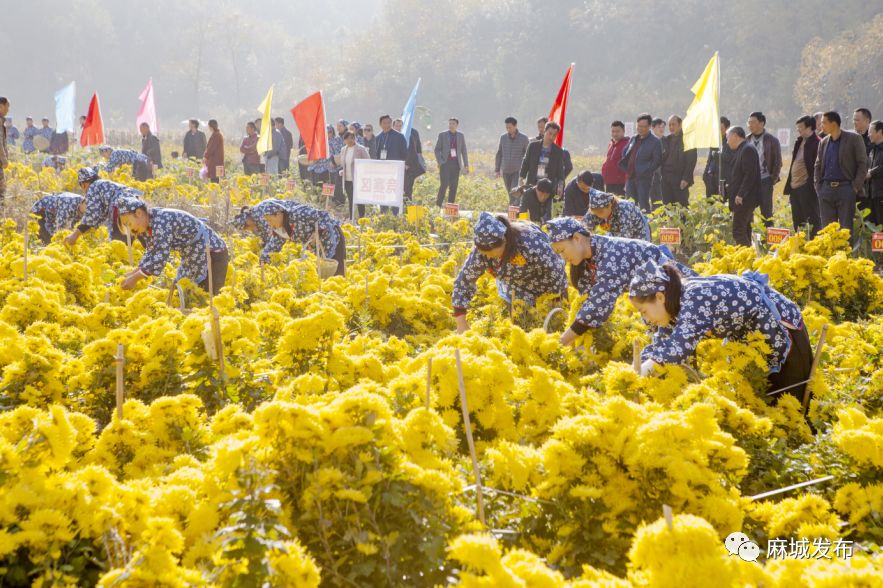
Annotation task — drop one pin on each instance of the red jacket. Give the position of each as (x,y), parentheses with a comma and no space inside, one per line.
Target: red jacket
(611,171)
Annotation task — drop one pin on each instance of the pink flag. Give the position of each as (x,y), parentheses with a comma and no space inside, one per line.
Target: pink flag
(147,112)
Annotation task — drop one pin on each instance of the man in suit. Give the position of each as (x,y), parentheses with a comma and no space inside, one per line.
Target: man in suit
(150,145)
(450,153)
(678,165)
(194,141)
(743,187)
(840,171)
(285,154)
(800,185)
(640,159)
(390,145)
(414,163)
(544,159)
(770,152)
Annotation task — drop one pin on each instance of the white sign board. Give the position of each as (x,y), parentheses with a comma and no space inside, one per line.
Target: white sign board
(629,129)
(784,136)
(377,181)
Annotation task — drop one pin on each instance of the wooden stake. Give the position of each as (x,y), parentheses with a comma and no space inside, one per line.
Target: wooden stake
(120,391)
(636,356)
(791,487)
(666,512)
(428,382)
(25,258)
(815,364)
(475,470)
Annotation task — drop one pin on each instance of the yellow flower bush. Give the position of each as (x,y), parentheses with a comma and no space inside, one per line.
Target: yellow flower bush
(330,450)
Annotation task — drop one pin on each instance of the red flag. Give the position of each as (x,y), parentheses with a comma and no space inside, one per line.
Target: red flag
(93,129)
(309,116)
(559,109)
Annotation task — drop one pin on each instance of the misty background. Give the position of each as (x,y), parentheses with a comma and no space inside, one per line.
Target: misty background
(480,60)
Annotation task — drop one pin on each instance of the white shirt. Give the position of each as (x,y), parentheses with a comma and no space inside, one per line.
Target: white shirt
(349,155)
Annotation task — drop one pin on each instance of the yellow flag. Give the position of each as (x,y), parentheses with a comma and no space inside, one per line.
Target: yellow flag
(702,123)
(265,141)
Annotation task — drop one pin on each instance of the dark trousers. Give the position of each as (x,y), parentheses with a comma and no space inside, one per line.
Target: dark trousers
(284,165)
(348,188)
(805,208)
(837,204)
(638,189)
(618,189)
(2,186)
(510,181)
(340,252)
(251,169)
(743,214)
(796,367)
(409,186)
(672,193)
(876,210)
(656,189)
(220,259)
(45,235)
(449,174)
(766,201)
(215,180)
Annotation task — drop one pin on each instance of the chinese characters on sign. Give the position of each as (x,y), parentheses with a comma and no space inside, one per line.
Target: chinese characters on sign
(378,181)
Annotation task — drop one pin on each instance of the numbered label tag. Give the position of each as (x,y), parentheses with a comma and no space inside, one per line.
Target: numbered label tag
(775,236)
(513,213)
(290,185)
(877,242)
(188,172)
(327,189)
(264,180)
(452,211)
(670,236)
(219,171)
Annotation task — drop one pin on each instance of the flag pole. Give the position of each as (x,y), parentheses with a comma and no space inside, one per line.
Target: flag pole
(721,181)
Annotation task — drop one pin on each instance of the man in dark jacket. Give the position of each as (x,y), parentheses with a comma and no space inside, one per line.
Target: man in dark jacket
(678,165)
(875,171)
(452,158)
(288,138)
(800,185)
(743,187)
(414,164)
(544,159)
(770,152)
(194,141)
(718,160)
(150,145)
(641,157)
(840,171)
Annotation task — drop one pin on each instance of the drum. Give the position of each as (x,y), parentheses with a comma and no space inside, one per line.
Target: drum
(41,143)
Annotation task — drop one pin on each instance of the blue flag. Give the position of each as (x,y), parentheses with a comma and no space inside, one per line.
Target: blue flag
(65,108)
(408,113)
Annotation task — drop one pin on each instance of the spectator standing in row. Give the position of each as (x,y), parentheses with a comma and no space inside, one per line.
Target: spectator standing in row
(840,171)
(28,134)
(541,128)
(346,159)
(544,159)
(450,153)
(510,154)
(390,145)
(678,165)
(640,160)
(743,186)
(370,140)
(214,152)
(657,127)
(12,134)
(46,132)
(287,145)
(614,176)
(150,145)
(875,170)
(415,166)
(770,152)
(718,162)
(251,159)
(4,153)
(194,141)
(861,122)
(800,185)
